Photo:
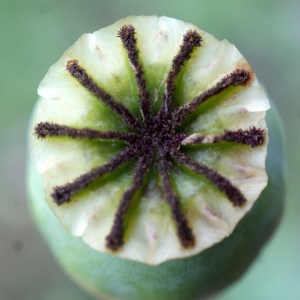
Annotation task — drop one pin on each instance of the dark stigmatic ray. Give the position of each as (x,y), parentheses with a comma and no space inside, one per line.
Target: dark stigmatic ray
(63,194)
(157,140)
(253,137)
(47,129)
(235,78)
(191,40)
(127,35)
(87,82)
(115,239)
(223,184)
(184,232)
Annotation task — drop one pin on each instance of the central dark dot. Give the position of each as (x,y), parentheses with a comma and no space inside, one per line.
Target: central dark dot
(159,137)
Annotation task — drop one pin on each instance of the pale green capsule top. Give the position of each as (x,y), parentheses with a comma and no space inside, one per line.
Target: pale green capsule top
(150,234)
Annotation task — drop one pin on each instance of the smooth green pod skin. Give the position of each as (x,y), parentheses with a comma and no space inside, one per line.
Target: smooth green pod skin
(205,274)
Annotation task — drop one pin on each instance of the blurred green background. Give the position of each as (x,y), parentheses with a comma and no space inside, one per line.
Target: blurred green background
(34,34)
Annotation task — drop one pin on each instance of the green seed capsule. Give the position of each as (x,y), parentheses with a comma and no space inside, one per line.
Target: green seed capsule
(149,141)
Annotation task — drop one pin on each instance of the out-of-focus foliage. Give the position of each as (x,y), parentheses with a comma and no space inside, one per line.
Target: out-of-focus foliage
(35,33)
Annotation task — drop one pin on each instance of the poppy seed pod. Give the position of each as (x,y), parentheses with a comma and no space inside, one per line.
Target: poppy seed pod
(148,147)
